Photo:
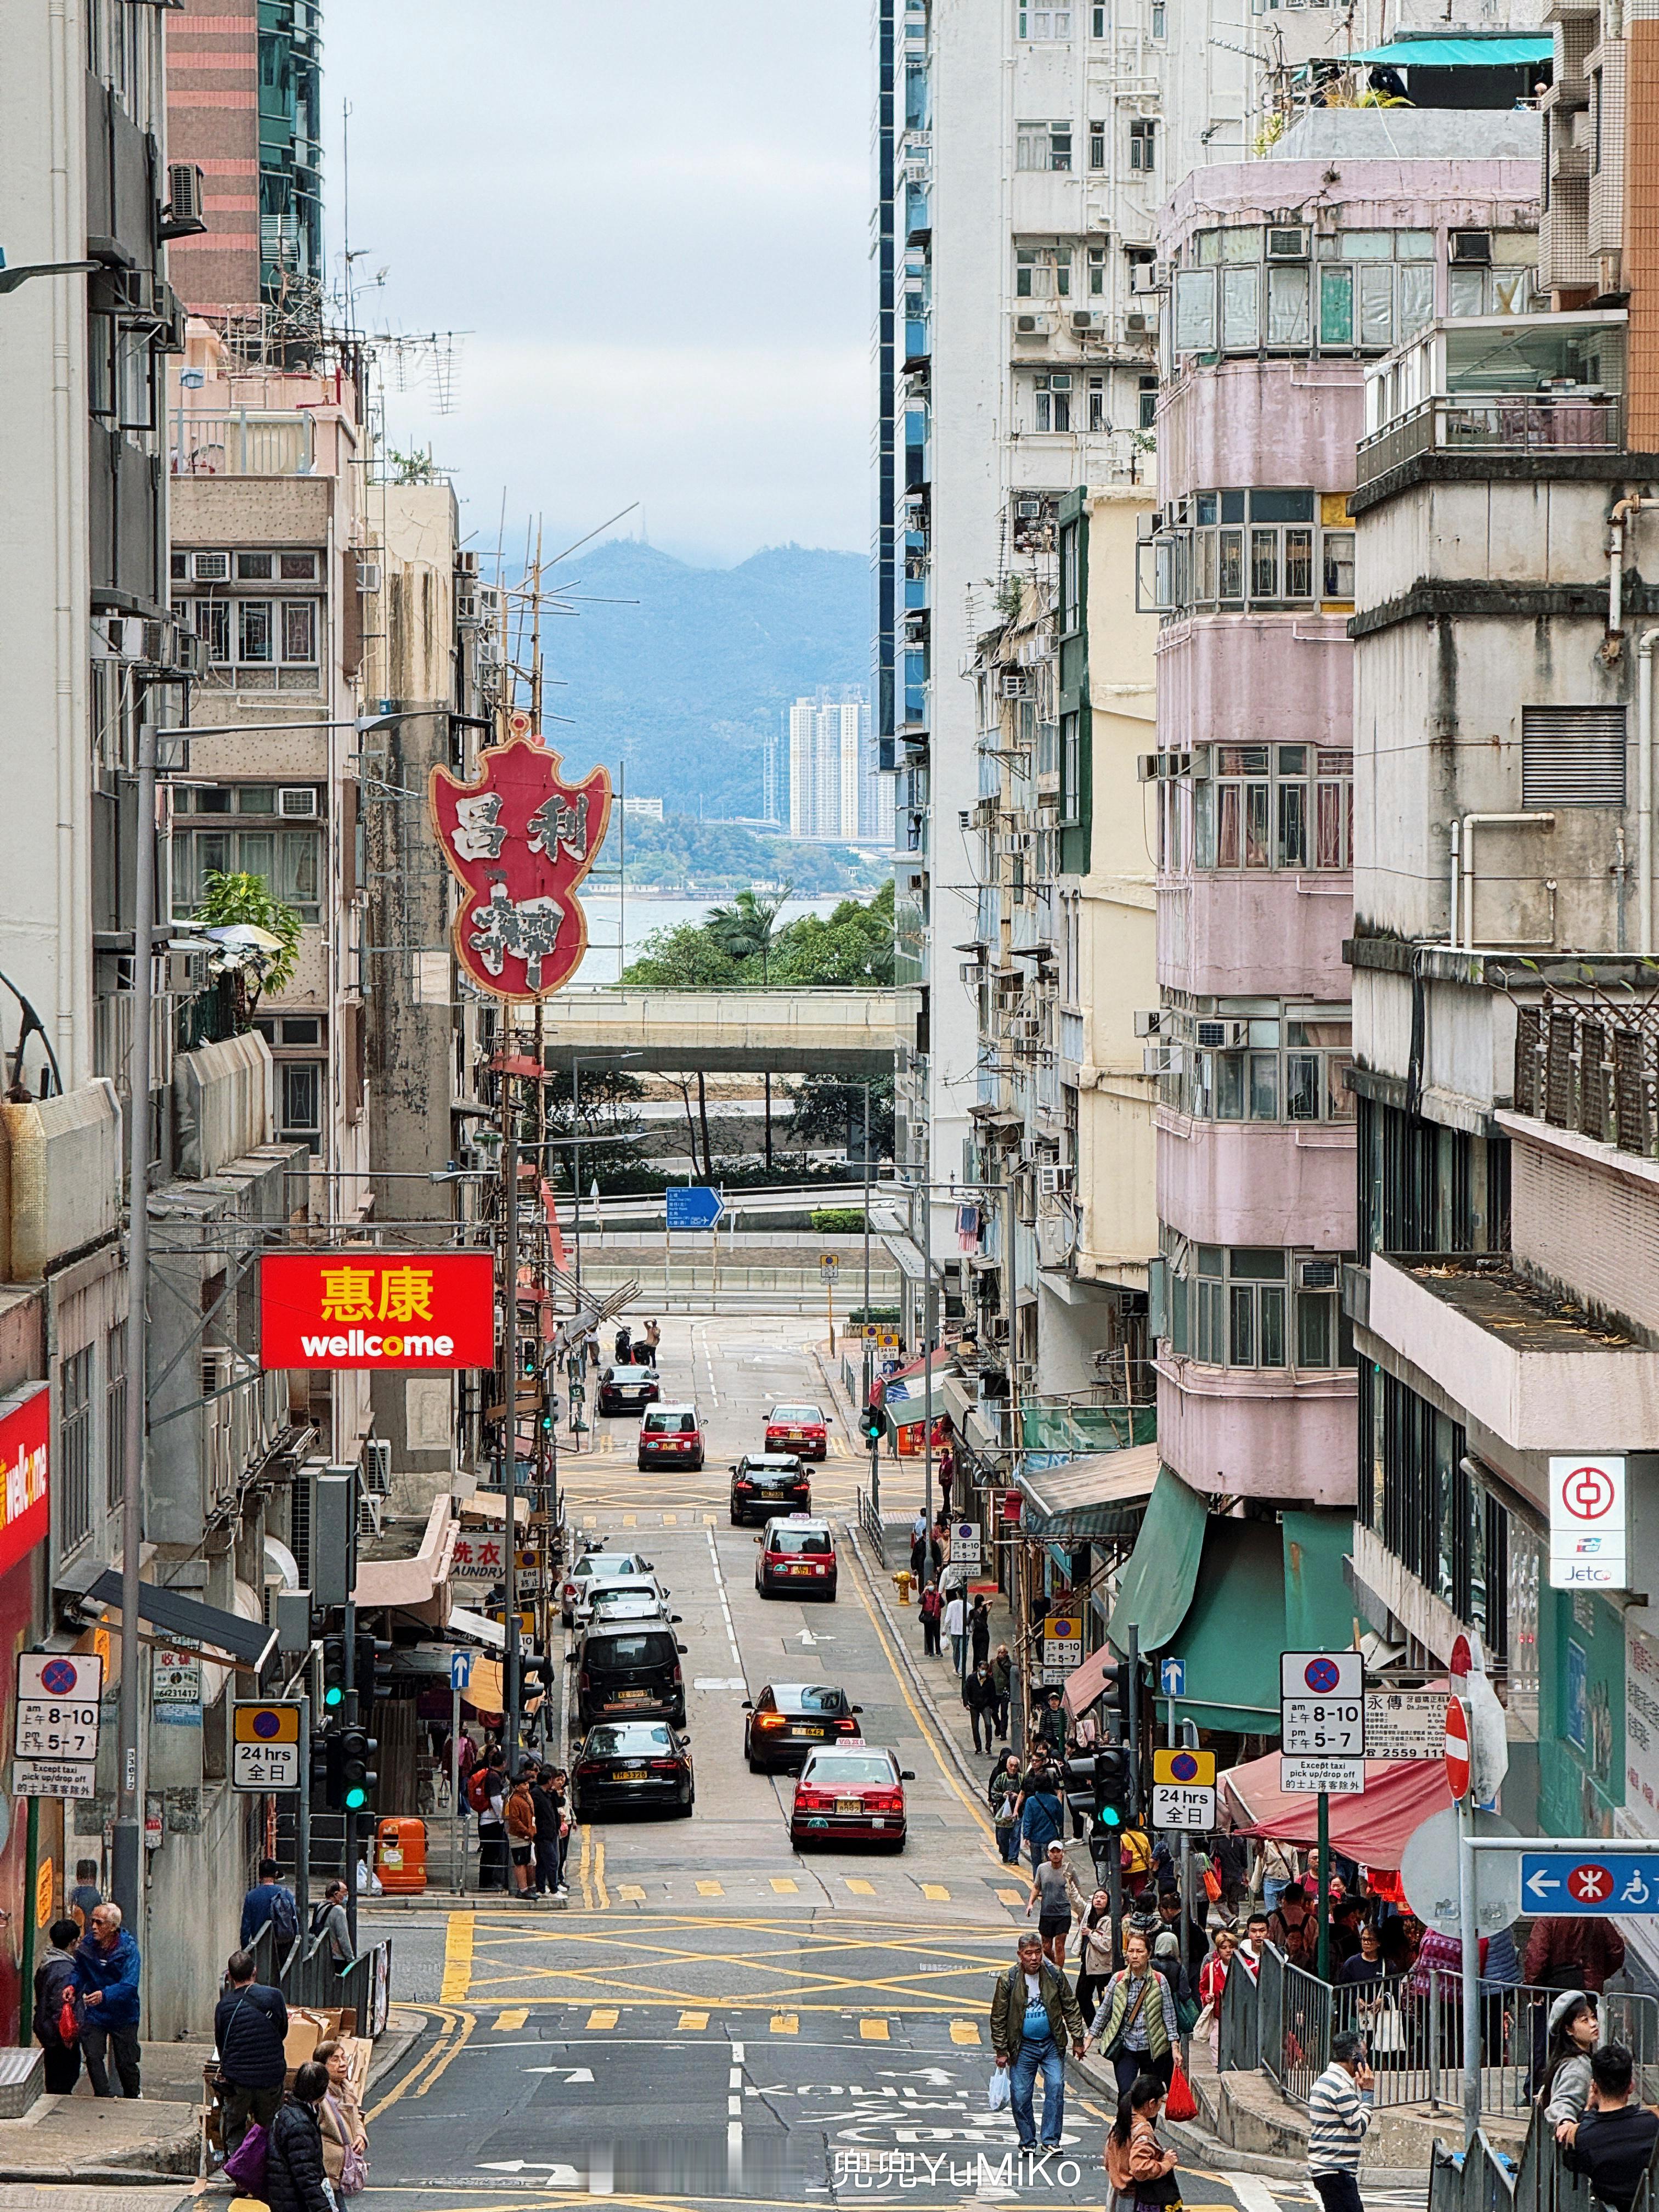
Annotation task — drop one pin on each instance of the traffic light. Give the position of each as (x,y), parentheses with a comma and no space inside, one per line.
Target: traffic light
(374,1675)
(322,1785)
(333,1674)
(871,1423)
(351,1748)
(1118,1682)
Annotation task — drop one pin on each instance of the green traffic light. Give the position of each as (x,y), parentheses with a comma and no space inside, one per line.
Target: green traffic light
(1109,1817)
(333,1695)
(355,1800)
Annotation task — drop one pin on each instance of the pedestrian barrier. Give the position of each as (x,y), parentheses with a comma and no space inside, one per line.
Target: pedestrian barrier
(869,1526)
(1484,2179)
(364,1984)
(1413,2026)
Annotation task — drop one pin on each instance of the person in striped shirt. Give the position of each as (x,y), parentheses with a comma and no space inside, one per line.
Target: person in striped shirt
(1338,2113)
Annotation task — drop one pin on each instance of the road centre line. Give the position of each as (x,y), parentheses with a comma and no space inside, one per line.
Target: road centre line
(725,1607)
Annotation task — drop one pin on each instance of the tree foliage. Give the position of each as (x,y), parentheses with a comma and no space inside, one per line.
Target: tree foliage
(824,1110)
(853,946)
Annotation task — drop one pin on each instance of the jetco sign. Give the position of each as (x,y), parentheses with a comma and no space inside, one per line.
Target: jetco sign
(1587,1522)
(377,1309)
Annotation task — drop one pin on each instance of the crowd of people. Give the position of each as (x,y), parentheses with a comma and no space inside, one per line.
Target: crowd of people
(523,1820)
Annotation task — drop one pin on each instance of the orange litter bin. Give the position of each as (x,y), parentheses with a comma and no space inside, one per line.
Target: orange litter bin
(400,1856)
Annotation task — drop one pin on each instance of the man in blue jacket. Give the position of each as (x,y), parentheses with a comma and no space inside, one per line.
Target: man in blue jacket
(107,1975)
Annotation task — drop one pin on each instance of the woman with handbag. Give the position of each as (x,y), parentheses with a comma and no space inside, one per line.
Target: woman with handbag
(345,2139)
(1211,1983)
(1141,2171)
(1003,1792)
(1094,1960)
(1135,2024)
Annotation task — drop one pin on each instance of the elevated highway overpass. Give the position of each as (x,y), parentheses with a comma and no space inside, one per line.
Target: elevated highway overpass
(850,1033)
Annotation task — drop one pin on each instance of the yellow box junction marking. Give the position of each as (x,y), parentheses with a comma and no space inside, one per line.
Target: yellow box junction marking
(694,2021)
(515,2017)
(874,2030)
(603,2016)
(458,1959)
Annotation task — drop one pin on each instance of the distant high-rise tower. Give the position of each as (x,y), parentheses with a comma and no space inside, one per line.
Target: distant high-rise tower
(829,748)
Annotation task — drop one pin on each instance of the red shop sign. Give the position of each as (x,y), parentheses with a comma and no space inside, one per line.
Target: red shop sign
(427,1311)
(25,1502)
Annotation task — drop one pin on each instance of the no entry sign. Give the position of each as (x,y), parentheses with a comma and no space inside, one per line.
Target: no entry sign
(1457,1747)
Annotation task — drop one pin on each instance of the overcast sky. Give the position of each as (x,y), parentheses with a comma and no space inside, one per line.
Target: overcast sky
(651,217)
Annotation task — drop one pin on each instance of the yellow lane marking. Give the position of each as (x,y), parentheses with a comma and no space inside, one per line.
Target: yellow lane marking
(785,2023)
(469,2022)
(964,2031)
(583,1883)
(458,1959)
(600,1891)
(671,1520)
(603,2016)
(937,1891)
(514,2016)
(590,1520)
(859,1888)
(1012,1896)
(860,1585)
(711,1889)
(695,2021)
(874,2030)
(451,2019)
(783,1886)
(632,1892)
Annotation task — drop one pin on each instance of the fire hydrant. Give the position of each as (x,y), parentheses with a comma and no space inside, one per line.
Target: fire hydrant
(901,1580)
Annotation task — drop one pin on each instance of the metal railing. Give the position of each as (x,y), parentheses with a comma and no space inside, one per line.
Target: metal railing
(869,1526)
(1484,2179)
(1531,421)
(364,1984)
(242,444)
(1413,2026)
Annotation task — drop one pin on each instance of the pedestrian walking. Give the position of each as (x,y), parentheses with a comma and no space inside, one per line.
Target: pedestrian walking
(518,1817)
(268,1904)
(652,1340)
(340,2118)
(1002,1673)
(1095,1962)
(106,1967)
(1033,2017)
(86,1896)
(979,1694)
(979,1631)
(558,1785)
(1135,2023)
(1564,1954)
(1004,1790)
(1212,1983)
(1055,1892)
(1192,1939)
(1042,1814)
(1141,2171)
(296,2178)
(932,1606)
(330,1928)
(1279,1866)
(1614,2142)
(946,1471)
(955,1627)
(1338,2113)
(54,1979)
(249,2025)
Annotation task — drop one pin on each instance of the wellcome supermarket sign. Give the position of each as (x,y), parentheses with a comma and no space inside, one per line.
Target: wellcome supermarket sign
(423,1310)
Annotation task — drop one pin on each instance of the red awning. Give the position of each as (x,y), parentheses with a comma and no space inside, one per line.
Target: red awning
(1372,1827)
(943,1355)
(1084,1683)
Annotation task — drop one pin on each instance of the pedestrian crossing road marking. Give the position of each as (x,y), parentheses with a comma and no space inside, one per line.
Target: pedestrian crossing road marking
(859,1888)
(708,1520)
(630,1519)
(590,1520)
(964,2031)
(873,2031)
(711,1889)
(515,2017)
(784,1886)
(785,2023)
(603,2016)
(1012,1896)
(694,2022)
(937,1891)
(631,1892)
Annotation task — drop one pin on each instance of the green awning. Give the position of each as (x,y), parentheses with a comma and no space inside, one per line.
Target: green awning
(1319,1606)
(1097,1495)
(1156,1588)
(1234,1630)
(1459,53)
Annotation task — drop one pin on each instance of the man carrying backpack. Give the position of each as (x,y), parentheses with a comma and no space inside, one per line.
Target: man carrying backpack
(486,1793)
(268,1901)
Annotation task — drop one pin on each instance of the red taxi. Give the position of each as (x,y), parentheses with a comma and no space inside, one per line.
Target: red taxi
(799,1429)
(797,1559)
(670,1436)
(850,1791)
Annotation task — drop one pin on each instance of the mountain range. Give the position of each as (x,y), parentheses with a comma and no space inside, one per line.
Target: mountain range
(686,678)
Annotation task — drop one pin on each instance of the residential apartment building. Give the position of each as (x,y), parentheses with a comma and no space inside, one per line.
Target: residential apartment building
(1506,1014)
(834,789)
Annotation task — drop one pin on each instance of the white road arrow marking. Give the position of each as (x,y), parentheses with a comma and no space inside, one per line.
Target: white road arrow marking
(558,2177)
(936,2077)
(807,1636)
(570,2073)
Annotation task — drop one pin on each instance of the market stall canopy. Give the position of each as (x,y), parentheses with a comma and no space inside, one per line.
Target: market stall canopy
(1373,1827)
(1459,53)
(415,1583)
(486,1690)
(1099,1495)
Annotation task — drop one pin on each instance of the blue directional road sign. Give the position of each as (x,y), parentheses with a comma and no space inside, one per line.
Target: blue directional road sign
(1172,1677)
(460,1670)
(1577,1882)
(693,1207)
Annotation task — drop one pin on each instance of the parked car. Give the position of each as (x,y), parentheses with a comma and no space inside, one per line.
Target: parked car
(788,1720)
(628,1389)
(851,1792)
(629,1597)
(632,1763)
(763,1483)
(591,1569)
(799,1429)
(798,1555)
(670,1436)
(630,1667)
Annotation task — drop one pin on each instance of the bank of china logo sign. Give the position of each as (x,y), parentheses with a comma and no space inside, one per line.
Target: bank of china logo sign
(426,1310)
(519,841)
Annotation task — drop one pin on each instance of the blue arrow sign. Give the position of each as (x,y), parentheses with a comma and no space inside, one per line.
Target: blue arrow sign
(1172,1677)
(1587,1882)
(460,1670)
(693,1207)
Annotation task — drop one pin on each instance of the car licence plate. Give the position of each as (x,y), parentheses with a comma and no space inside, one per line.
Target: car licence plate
(809,1728)
(628,1774)
(631,1697)
(849,1804)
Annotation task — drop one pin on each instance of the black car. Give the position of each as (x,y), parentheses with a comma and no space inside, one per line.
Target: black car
(629,1668)
(628,1389)
(789,1719)
(625,1763)
(764,1483)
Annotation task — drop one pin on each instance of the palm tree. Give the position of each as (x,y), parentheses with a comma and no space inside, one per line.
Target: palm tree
(742,930)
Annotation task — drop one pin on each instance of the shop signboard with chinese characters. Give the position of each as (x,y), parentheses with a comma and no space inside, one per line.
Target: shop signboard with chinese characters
(422,1311)
(519,841)
(1402,1724)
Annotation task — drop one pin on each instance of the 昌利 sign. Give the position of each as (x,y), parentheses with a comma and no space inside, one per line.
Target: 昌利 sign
(377,1309)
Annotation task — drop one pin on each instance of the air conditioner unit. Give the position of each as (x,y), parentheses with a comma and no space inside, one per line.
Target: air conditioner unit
(1033,326)
(467,616)
(1161,1060)
(915,882)
(1148,276)
(1028,510)
(185,973)
(1472,247)
(1016,683)
(376,1484)
(369,576)
(211,568)
(1148,1021)
(154,643)
(183,215)
(1221,1037)
(1289,243)
(1142,324)
(1317,1274)
(1053,1178)
(298,801)
(1084,320)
